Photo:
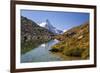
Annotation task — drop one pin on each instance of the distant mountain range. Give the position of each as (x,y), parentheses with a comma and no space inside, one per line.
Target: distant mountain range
(50,27)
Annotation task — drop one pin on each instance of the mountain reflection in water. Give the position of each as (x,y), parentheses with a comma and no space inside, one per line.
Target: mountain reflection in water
(41,53)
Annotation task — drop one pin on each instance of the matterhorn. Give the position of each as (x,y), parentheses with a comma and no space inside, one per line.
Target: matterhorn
(50,27)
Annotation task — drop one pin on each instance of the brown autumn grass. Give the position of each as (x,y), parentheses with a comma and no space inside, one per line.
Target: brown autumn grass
(74,42)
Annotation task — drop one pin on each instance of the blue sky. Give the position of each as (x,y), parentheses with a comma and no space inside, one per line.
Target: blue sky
(60,20)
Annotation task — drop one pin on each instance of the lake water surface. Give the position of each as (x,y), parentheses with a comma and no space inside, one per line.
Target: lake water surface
(41,53)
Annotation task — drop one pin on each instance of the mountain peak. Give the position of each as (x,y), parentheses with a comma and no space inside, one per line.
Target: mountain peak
(47,20)
(47,24)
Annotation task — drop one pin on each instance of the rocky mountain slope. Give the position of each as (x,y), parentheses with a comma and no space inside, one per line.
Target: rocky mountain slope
(32,34)
(74,42)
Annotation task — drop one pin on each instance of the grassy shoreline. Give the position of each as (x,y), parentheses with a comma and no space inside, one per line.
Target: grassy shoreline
(67,58)
(74,42)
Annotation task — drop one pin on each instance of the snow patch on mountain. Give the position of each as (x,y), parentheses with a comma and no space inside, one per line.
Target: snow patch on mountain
(64,30)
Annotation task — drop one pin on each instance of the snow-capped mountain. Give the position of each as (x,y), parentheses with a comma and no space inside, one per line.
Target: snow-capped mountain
(50,27)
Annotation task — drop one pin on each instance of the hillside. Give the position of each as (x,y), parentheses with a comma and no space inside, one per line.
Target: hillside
(32,34)
(74,42)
